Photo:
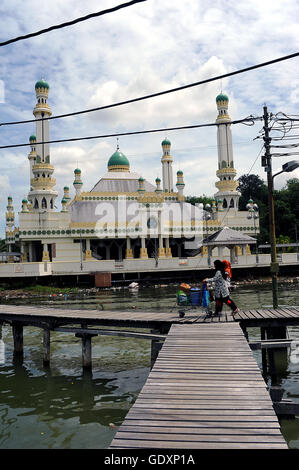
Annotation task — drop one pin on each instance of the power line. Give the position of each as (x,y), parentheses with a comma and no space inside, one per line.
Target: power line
(154,95)
(70,23)
(74,139)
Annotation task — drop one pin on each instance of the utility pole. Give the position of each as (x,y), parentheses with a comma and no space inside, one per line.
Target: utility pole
(267,163)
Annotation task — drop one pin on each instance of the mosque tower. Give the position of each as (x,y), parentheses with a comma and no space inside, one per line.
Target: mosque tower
(227,187)
(166,161)
(41,196)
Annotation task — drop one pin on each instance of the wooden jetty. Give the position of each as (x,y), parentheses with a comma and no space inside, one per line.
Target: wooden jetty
(205,391)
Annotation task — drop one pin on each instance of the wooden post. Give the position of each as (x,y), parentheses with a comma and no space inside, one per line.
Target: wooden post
(156,345)
(17,330)
(86,350)
(46,344)
(264,352)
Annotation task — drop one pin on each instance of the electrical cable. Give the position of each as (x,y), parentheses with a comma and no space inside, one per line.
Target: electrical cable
(70,23)
(74,139)
(154,95)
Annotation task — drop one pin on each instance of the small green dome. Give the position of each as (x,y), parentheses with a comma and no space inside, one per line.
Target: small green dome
(24,200)
(166,142)
(42,84)
(118,159)
(179,172)
(77,171)
(32,137)
(221,97)
(158,180)
(66,188)
(63,200)
(141,179)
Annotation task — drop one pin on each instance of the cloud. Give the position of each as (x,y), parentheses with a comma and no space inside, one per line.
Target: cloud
(140,50)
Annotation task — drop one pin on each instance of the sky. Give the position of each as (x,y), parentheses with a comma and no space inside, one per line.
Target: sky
(146,48)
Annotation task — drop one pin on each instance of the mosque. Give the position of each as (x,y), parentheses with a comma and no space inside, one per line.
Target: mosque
(124,217)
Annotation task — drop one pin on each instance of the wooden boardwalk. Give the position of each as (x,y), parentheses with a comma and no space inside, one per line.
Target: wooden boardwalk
(205,391)
(31,314)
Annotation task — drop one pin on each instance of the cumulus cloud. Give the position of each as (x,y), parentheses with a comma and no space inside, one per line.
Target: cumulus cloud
(137,51)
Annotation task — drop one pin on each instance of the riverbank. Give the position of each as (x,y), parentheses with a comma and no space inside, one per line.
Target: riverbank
(44,291)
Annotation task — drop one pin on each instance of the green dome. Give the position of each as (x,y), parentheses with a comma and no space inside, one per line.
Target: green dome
(24,200)
(42,84)
(158,180)
(66,188)
(166,142)
(77,171)
(118,159)
(221,97)
(32,137)
(179,172)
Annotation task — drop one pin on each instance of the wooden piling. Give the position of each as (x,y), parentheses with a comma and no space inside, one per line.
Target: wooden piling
(17,330)
(86,350)
(46,345)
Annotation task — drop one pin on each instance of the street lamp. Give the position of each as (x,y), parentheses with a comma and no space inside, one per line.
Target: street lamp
(253,210)
(207,216)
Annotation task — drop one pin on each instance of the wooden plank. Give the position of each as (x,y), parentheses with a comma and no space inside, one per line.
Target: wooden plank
(204,391)
(134,444)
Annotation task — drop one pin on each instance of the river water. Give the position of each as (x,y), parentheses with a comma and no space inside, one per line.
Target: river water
(61,408)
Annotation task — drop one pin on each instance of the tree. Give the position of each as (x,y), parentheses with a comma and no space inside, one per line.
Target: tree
(199,199)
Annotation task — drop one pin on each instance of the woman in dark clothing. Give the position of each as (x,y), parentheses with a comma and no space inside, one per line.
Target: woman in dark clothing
(221,289)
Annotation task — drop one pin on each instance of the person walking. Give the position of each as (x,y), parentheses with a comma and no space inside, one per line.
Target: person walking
(228,272)
(221,289)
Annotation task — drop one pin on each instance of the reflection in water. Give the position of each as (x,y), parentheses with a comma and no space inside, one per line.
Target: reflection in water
(62,407)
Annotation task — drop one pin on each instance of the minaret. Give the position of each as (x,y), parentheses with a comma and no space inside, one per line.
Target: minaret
(32,154)
(180,184)
(227,187)
(78,183)
(10,221)
(166,161)
(158,185)
(41,195)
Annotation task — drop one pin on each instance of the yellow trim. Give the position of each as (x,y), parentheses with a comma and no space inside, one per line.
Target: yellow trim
(40,182)
(88,254)
(143,253)
(168,253)
(226,171)
(124,168)
(43,166)
(46,256)
(227,185)
(129,253)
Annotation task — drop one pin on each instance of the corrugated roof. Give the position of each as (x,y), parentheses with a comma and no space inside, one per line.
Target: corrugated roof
(229,236)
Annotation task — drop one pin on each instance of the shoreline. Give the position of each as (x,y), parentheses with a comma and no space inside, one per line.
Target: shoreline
(38,291)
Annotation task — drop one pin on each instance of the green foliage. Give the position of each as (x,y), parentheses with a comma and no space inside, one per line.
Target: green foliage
(199,199)
(2,245)
(286,206)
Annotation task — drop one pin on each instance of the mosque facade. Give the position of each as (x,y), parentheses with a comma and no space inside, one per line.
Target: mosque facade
(124,216)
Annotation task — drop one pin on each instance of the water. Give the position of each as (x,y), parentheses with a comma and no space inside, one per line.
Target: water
(62,408)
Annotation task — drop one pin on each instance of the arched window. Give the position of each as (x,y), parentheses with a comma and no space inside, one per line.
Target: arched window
(36,204)
(51,204)
(224,204)
(231,204)
(44,203)
(224,164)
